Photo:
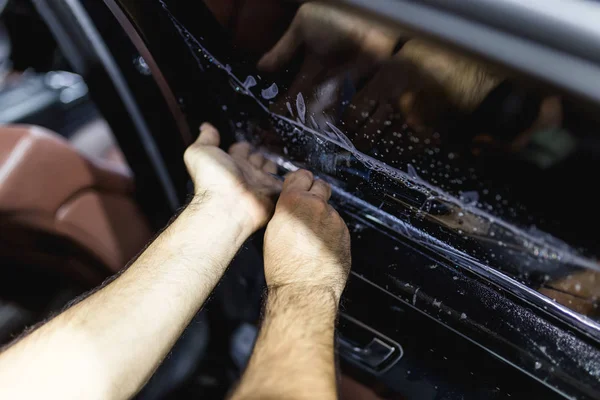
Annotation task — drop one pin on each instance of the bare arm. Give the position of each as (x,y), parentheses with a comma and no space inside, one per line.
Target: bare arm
(307,260)
(294,355)
(108,345)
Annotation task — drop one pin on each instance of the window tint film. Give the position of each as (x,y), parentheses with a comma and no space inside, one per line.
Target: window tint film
(479,164)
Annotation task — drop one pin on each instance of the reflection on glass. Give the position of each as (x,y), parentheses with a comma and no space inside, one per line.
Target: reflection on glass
(469,160)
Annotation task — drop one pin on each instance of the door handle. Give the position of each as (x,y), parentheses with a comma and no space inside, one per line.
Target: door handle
(363,346)
(374,354)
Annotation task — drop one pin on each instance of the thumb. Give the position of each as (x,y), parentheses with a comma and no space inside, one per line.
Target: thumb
(209,136)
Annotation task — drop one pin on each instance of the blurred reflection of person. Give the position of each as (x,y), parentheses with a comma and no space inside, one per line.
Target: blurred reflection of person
(396,96)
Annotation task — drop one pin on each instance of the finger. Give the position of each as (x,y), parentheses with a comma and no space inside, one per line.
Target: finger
(365,102)
(270,167)
(283,51)
(300,180)
(240,150)
(209,135)
(321,189)
(256,160)
(307,77)
(274,186)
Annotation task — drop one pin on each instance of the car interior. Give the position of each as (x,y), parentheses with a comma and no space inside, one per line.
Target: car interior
(460,143)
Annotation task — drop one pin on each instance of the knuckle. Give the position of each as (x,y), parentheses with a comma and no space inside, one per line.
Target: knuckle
(236,146)
(291,201)
(307,203)
(333,213)
(319,204)
(326,186)
(295,198)
(256,158)
(339,221)
(304,174)
(189,154)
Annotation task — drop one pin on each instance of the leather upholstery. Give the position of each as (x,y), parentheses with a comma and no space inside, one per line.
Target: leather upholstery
(47,186)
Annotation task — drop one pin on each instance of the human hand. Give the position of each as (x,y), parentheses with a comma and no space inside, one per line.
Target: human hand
(465,80)
(421,90)
(307,244)
(333,35)
(239,181)
(337,45)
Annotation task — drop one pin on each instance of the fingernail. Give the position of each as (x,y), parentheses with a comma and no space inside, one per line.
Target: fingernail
(203,126)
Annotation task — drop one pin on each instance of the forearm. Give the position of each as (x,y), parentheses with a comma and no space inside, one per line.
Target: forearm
(294,354)
(108,345)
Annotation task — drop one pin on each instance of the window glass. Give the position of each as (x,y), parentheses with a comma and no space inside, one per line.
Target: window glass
(470,160)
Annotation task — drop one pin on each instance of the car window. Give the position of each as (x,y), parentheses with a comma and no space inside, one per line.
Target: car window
(477,163)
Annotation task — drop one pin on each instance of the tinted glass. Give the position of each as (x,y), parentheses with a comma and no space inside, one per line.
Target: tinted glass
(477,163)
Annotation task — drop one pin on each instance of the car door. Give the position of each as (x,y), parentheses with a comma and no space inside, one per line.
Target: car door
(460,143)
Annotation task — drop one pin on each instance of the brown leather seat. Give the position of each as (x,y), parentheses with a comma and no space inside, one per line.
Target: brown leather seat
(62,210)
